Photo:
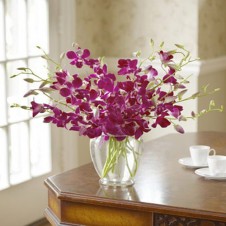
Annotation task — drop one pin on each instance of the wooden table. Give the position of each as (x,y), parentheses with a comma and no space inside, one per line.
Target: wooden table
(165,192)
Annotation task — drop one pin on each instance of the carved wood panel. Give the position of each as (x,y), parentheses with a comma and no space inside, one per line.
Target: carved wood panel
(170,220)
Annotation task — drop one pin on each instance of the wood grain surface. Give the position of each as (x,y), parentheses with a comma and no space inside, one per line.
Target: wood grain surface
(163,187)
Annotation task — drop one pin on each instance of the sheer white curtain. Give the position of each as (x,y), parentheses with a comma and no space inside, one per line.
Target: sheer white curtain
(29,153)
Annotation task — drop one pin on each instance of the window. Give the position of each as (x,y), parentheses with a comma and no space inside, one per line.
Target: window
(24,141)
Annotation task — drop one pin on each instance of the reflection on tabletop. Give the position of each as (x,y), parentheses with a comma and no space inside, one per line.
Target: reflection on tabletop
(126,193)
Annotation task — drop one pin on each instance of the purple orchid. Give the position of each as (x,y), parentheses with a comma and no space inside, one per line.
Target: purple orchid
(98,103)
(165,57)
(37,108)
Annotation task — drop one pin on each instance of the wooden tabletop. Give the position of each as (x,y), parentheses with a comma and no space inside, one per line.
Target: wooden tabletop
(161,183)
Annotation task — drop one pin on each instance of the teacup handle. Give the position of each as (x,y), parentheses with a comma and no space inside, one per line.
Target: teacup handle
(212,150)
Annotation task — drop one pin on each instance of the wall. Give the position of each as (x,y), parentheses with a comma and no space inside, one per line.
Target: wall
(130,24)
(89,25)
(214,74)
(212,51)
(212,29)
(118,28)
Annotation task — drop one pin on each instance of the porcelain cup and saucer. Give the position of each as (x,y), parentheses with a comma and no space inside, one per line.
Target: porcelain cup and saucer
(207,164)
(198,156)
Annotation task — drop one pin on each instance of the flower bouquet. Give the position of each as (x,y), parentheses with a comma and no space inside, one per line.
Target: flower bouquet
(115,109)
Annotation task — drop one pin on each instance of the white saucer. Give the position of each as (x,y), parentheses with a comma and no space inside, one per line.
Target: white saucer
(188,163)
(205,172)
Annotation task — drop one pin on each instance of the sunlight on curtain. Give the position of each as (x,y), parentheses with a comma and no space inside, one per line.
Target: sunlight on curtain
(24,141)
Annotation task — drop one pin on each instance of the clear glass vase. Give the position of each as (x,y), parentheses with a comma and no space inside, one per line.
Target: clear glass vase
(115,161)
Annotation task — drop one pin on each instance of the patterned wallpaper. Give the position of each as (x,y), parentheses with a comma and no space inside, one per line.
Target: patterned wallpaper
(116,28)
(132,23)
(89,25)
(212,28)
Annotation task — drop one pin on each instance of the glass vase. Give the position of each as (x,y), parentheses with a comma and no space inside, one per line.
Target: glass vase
(116,161)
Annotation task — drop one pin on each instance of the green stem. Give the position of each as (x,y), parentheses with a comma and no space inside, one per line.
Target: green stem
(112,156)
(58,101)
(116,150)
(126,146)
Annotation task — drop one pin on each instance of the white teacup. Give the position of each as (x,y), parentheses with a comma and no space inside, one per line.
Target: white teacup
(217,165)
(199,154)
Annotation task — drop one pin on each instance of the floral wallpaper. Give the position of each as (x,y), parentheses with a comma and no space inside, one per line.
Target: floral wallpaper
(89,25)
(133,23)
(212,28)
(116,28)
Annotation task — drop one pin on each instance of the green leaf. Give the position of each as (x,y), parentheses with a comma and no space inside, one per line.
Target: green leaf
(152,58)
(13,76)
(181,93)
(44,57)
(62,55)
(195,95)
(161,44)
(205,88)
(137,53)
(101,59)
(29,80)
(179,46)
(14,105)
(150,84)
(25,107)
(182,118)
(180,77)
(203,111)
(19,106)
(186,82)
(173,51)
(46,90)
(212,104)
(152,42)
(43,84)
(30,92)
(22,68)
